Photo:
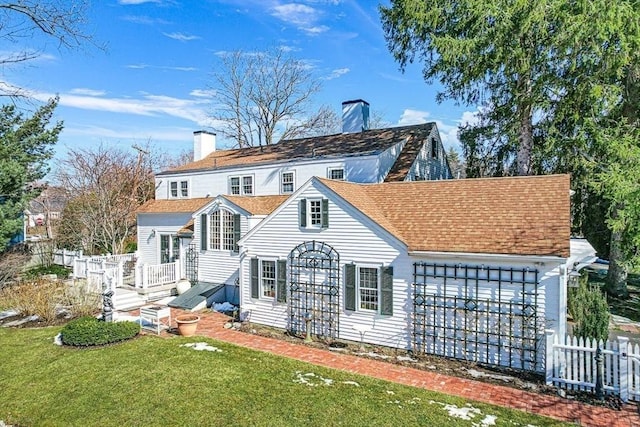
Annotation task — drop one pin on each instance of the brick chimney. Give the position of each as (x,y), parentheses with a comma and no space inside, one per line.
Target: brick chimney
(204,143)
(355,116)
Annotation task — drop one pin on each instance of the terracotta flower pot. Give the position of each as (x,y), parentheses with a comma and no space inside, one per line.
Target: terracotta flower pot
(187,324)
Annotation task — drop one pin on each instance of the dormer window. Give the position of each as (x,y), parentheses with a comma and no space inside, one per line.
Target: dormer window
(178,189)
(336,173)
(434,148)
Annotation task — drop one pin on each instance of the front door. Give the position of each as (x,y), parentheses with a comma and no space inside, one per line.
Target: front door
(169,248)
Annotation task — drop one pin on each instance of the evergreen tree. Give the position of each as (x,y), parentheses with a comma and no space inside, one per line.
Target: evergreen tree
(26,145)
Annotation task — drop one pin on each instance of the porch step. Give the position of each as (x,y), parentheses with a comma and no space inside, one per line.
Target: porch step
(126,300)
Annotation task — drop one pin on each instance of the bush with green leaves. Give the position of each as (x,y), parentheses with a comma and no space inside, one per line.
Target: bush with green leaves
(60,271)
(89,331)
(590,311)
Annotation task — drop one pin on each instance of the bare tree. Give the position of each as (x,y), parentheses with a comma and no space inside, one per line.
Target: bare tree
(25,23)
(106,185)
(261,94)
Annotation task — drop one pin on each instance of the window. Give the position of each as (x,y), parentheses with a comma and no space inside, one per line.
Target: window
(336,173)
(247,185)
(287,183)
(224,230)
(268,279)
(234,183)
(178,189)
(314,213)
(241,185)
(368,288)
(434,148)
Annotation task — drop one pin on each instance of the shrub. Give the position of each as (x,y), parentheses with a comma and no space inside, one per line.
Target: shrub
(12,261)
(89,331)
(58,270)
(79,301)
(590,311)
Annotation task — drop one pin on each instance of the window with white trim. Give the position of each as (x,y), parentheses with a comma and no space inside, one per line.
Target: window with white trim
(178,189)
(241,185)
(224,230)
(287,182)
(314,213)
(268,278)
(336,173)
(368,288)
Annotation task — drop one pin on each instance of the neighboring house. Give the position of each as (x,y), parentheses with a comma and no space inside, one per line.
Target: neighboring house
(201,209)
(474,269)
(45,209)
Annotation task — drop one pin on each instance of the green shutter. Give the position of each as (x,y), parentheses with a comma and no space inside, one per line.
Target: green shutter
(236,232)
(386,290)
(255,285)
(203,232)
(325,213)
(303,213)
(281,286)
(350,287)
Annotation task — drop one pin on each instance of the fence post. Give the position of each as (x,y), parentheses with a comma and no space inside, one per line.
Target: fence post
(623,367)
(137,275)
(176,276)
(550,334)
(145,276)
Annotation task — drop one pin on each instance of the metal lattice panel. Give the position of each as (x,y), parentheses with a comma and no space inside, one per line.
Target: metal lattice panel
(483,314)
(191,266)
(314,285)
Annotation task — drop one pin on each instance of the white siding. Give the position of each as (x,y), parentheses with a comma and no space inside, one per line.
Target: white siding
(355,242)
(266,178)
(148,241)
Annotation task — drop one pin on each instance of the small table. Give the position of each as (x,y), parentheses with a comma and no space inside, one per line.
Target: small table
(155,314)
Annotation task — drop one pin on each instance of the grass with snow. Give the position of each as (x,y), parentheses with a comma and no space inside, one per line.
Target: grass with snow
(157,381)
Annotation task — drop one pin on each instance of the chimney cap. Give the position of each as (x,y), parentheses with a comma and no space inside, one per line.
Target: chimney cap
(355,101)
(196,132)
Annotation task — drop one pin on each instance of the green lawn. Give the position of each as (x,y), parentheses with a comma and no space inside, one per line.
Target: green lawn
(154,381)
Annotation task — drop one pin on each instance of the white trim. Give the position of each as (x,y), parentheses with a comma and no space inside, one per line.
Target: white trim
(179,183)
(221,201)
(261,295)
(241,178)
(309,224)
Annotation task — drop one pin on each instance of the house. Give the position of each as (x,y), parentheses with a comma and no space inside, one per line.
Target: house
(203,208)
(474,269)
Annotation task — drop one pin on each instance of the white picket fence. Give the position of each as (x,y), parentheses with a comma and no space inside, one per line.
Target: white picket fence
(157,275)
(65,257)
(571,365)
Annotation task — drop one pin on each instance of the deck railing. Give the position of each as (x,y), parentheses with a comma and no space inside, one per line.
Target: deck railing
(148,276)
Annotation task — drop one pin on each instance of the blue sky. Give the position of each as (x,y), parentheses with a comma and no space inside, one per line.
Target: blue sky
(153,81)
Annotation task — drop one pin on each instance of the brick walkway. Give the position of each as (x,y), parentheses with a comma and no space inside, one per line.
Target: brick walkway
(212,325)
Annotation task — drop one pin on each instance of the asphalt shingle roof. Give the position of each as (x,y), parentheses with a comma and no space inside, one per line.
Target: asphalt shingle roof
(515,216)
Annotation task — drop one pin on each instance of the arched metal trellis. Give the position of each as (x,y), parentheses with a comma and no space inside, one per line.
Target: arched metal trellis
(314,285)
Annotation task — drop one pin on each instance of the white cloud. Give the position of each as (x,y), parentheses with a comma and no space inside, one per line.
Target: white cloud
(200,93)
(137,66)
(181,37)
(337,73)
(295,13)
(160,67)
(413,117)
(87,92)
(314,31)
(469,117)
(144,20)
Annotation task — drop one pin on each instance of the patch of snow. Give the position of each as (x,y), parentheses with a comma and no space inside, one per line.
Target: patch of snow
(201,346)
(57,340)
(21,321)
(406,359)
(464,413)
(312,380)
(479,374)
(489,420)
(374,355)
(351,383)
(390,392)
(4,315)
